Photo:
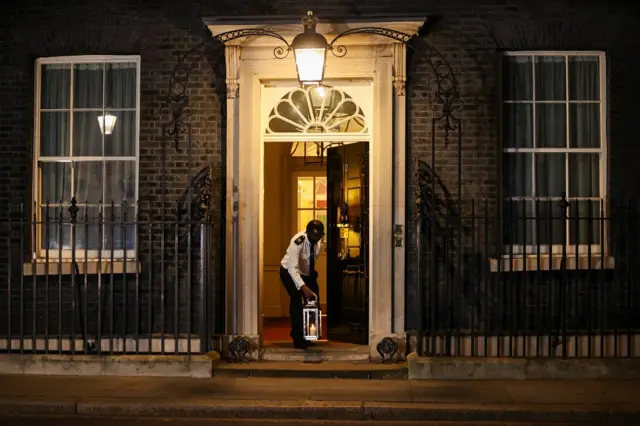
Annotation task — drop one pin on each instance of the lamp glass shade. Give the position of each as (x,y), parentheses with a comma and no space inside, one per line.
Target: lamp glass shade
(106,122)
(310,50)
(311,321)
(310,64)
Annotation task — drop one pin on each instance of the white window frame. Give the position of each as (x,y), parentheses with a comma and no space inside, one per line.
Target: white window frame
(569,248)
(106,254)
(315,174)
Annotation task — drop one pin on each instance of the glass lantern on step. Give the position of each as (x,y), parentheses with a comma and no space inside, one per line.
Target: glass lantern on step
(311,320)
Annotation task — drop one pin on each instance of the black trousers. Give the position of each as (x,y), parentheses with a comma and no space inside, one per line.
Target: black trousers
(295,301)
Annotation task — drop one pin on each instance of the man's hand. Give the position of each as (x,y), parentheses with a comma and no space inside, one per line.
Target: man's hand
(308,294)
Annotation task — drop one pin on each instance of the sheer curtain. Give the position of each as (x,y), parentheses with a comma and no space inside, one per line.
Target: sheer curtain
(548,119)
(92,166)
(584,128)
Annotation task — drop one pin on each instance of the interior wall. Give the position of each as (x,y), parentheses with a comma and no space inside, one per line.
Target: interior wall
(277,220)
(280,224)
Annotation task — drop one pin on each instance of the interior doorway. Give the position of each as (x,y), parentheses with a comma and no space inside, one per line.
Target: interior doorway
(328,182)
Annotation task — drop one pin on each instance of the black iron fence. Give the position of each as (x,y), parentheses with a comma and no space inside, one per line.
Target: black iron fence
(79,280)
(548,277)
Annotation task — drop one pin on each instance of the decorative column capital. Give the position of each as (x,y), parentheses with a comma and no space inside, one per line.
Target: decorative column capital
(232,59)
(399,69)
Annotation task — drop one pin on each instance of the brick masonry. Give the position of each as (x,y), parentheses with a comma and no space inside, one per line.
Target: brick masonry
(470,34)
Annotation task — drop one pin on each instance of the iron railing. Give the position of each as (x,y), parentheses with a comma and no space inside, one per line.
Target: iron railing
(527,278)
(119,284)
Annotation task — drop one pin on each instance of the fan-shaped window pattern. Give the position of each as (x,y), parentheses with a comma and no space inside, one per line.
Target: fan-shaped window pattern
(316,110)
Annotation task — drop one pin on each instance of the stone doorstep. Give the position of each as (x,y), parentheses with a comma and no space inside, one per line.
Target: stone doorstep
(109,365)
(504,368)
(330,410)
(316,370)
(314,356)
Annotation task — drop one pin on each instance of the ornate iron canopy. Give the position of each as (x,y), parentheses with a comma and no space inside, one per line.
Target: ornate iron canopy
(446,99)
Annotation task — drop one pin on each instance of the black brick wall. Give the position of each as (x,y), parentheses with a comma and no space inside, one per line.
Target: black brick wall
(471,34)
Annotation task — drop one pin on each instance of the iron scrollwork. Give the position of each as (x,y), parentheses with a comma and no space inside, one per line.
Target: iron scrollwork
(387,348)
(238,349)
(206,194)
(177,105)
(447,102)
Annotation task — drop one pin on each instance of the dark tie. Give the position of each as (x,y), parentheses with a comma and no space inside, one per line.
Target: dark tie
(312,260)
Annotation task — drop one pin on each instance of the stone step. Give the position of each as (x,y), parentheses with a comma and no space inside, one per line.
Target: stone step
(323,370)
(320,352)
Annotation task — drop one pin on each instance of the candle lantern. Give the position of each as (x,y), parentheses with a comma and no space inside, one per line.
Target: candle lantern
(312,324)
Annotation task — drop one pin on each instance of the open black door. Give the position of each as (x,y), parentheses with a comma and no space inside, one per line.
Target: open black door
(348,243)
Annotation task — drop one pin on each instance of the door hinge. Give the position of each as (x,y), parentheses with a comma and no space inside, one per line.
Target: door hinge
(398,235)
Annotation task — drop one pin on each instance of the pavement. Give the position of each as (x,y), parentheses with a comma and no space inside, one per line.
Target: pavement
(80,400)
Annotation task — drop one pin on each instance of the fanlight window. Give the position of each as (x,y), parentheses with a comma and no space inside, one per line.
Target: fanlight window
(316,110)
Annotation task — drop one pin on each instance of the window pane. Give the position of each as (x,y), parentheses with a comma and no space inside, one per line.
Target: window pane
(120,182)
(517,175)
(88,181)
(517,78)
(585,222)
(116,225)
(55,182)
(518,222)
(551,225)
(550,78)
(88,84)
(87,139)
(57,233)
(121,85)
(321,215)
(551,126)
(584,78)
(122,140)
(88,229)
(304,217)
(584,175)
(54,134)
(550,175)
(321,193)
(584,125)
(305,192)
(56,86)
(517,125)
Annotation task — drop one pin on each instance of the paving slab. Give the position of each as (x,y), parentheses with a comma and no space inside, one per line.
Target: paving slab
(460,391)
(348,394)
(34,420)
(560,392)
(224,409)
(611,402)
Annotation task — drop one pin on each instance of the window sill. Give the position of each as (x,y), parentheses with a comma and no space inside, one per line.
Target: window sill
(91,267)
(550,263)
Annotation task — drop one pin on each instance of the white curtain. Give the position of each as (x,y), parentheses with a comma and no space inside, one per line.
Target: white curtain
(85,167)
(535,98)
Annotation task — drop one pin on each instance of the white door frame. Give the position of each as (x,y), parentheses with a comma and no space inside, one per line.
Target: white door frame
(250,63)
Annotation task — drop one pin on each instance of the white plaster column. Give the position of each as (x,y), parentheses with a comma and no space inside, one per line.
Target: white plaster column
(249,191)
(232,58)
(399,181)
(381,204)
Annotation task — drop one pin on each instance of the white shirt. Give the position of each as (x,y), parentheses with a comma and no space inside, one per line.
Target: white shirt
(297,258)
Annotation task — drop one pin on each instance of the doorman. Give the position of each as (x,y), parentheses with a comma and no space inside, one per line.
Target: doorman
(299,277)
